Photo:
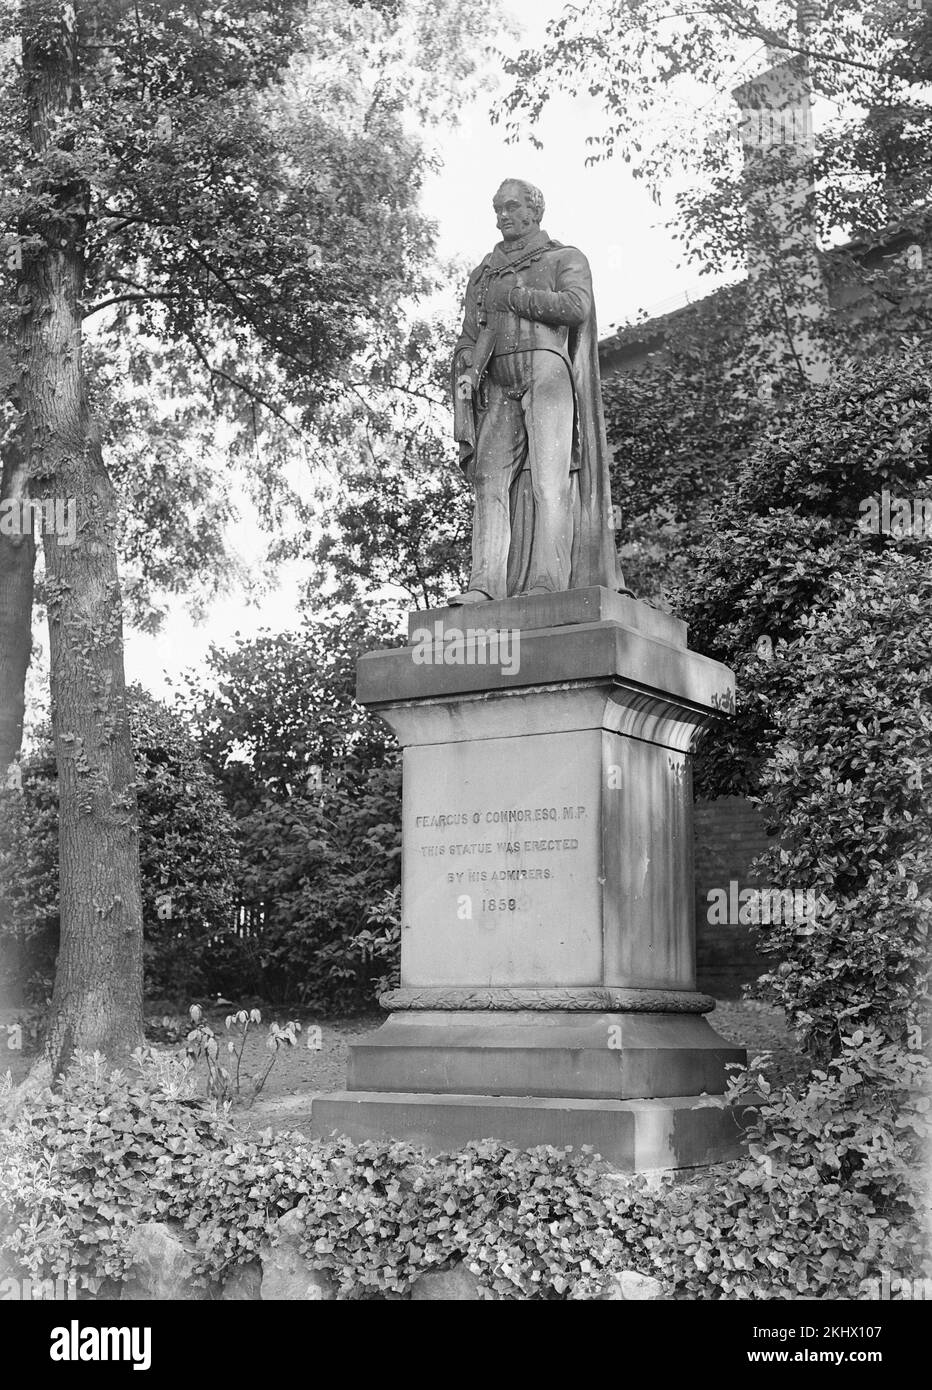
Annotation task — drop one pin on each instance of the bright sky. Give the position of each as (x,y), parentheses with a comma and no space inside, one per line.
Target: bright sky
(635,265)
(600,208)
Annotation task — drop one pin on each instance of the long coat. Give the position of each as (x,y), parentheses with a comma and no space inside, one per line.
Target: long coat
(551,308)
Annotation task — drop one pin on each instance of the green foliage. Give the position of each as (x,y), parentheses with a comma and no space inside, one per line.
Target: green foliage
(315,785)
(225,1083)
(379,942)
(678,428)
(790,521)
(319,863)
(187,855)
(697,457)
(399,512)
(529,1224)
(247,215)
(828,1198)
(871,159)
(187,860)
(831,1196)
(80,1165)
(29,880)
(827,626)
(276,714)
(828,449)
(847,786)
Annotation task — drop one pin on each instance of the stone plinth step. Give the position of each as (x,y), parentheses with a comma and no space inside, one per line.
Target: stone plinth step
(530,612)
(595,1056)
(632,1136)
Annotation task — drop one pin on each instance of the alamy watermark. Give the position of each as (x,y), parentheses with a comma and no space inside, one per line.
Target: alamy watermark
(787,126)
(471,646)
(13,1290)
(77,1343)
(40,516)
(745,907)
(893,1286)
(765,127)
(896,516)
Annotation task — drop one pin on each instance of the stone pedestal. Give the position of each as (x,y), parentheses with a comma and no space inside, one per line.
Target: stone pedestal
(548,964)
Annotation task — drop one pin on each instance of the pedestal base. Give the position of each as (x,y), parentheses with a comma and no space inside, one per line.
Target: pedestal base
(547,955)
(612,1056)
(633,1136)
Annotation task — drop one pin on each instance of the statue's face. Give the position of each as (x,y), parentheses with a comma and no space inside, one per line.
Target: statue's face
(512,215)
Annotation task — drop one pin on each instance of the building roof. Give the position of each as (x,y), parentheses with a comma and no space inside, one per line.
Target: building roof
(632,342)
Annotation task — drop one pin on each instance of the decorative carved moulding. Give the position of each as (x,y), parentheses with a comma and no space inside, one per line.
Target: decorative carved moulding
(594,999)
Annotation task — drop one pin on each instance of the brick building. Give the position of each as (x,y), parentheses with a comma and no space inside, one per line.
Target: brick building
(850,288)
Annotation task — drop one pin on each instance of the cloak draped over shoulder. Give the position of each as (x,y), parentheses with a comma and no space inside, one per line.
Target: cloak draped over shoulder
(594,560)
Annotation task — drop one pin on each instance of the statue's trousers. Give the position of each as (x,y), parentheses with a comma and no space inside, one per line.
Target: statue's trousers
(523,519)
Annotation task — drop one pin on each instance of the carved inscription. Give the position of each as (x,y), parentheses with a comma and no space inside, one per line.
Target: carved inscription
(499,847)
(501,861)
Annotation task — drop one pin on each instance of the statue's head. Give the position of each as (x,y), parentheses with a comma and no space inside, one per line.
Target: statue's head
(519,207)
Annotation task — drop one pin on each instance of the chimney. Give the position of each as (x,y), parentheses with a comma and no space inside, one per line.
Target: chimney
(787,300)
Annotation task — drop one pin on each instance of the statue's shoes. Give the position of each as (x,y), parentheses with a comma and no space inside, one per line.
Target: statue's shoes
(471,596)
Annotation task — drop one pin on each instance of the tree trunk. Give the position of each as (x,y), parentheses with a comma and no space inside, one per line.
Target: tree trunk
(97,999)
(17,566)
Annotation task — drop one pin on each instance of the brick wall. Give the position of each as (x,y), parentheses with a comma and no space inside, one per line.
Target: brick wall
(729,836)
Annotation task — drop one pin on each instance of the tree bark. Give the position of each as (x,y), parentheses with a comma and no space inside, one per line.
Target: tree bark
(97,998)
(17,567)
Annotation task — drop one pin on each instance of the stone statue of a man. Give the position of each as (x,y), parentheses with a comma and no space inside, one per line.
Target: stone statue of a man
(528,414)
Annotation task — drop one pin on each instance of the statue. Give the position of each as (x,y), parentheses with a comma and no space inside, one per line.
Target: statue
(528,414)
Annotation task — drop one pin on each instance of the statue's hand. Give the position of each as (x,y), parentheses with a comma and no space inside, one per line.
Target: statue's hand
(464,387)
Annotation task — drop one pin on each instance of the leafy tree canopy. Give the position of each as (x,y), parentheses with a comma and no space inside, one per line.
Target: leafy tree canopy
(663,79)
(251,177)
(276,715)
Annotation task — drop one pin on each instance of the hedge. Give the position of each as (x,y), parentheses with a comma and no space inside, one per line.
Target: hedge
(826,1201)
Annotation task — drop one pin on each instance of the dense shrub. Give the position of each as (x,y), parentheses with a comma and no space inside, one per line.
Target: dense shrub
(376,1215)
(788,525)
(827,1200)
(321,863)
(832,1194)
(827,626)
(847,786)
(187,861)
(81,1164)
(275,713)
(378,945)
(678,429)
(187,853)
(314,784)
(861,432)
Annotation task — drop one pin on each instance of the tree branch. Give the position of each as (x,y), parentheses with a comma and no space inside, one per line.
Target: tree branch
(137,298)
(256,396)
(247,312)
(395,386)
